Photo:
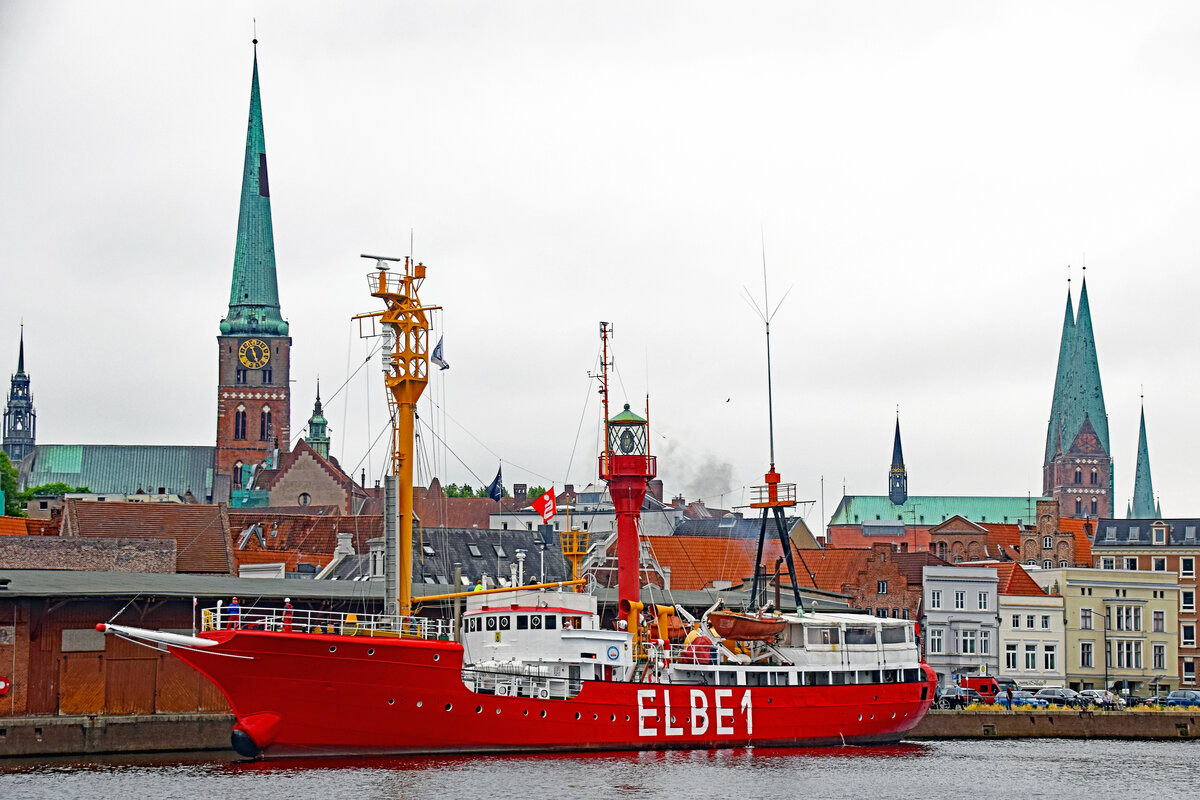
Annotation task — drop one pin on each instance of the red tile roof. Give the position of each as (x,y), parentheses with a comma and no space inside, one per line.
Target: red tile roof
(24,526)
(1013,579)
(1083,545)
(697,561)
(201,532)
(1001,534)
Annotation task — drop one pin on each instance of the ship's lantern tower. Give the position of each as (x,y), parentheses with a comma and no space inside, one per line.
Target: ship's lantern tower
(628,468)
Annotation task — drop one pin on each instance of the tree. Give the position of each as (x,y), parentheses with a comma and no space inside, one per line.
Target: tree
(51,490)
(8,485)
(535,492)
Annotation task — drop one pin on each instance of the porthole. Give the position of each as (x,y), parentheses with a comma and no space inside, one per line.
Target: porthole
(627,718)
(370,651)
(893,715)
(420,703)
(576,715)
(672,719)
(450,706)
(860,717)
(497,710)
(595,717)
(392,702)
(543,713)
(612,718)
(437,656)
(872,716)
(333,648)
(478,709)
(526,712)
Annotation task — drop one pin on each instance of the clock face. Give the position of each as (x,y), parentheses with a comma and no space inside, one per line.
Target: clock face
(254,353)
(626,441)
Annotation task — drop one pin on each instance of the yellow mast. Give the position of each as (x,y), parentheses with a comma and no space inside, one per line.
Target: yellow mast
(405,354)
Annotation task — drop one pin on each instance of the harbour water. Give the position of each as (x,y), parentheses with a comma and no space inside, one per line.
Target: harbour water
(1055,768)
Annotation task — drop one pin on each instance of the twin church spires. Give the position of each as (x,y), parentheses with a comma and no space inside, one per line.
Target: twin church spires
(1077,470)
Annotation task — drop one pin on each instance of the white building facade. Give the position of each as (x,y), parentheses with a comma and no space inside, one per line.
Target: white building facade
(1033,639)
(959,621)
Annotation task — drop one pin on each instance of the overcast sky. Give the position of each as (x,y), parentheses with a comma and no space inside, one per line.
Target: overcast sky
(922,175)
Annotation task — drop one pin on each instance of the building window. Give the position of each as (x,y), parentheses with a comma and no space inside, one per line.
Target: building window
(1160,656)
(1128,618)
(1160,622)
(1108,562)
(1031,657)
(264,424)
(1085,619)
(1078,475)
(1131,562)
(1063,563)
(1045,622)
(1095,477)
(1160,535)
(1047,542)
(1010,656)
(1047,564)
(1078,505)
(1029,621)
(960,600)
(240,377)
(1095,507)
(1016,620)
(1158,564)
(935,598)
(1187,567)
(237,475)
(304,499)
(1048,658)
(966,642)
(881,588)
(935,640)
(1187,636)
(985,643)
(1187,600)
(266,376)
(1085,654)
(983,601)
(1129,654)
(1189,671)
(239,423)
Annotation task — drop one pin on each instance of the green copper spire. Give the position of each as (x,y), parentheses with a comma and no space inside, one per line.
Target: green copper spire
(1054,434)
(318,436)
(254,295)
(1143,486)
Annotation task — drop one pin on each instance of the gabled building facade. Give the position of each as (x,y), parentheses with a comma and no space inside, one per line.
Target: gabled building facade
(959,621)
(1032,629)
(1164,547)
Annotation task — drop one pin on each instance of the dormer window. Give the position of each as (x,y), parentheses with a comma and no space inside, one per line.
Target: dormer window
(499,551)
(475,551)
(1160,534)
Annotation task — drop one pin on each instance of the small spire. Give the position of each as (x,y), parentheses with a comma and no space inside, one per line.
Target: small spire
(21,355)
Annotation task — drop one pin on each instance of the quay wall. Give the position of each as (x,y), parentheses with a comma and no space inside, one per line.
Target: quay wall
(87,735)
(1042,724)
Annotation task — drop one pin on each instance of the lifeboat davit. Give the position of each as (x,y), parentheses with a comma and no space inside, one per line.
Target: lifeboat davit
(745,627)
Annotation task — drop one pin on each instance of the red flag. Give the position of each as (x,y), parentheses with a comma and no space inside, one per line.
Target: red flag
(545,506)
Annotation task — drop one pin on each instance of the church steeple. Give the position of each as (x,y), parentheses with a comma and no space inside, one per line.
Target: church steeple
(318,426)
(20,420)
(254,293)
(254,350)
(1143,487)
(1077,467)
(897,475)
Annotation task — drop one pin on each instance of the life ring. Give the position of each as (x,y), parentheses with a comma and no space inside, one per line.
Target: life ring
(613,653)
(5,685)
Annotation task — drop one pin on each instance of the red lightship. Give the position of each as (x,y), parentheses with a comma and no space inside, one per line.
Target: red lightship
(532,669)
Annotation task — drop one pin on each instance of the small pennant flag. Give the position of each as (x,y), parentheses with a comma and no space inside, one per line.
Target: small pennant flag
(496,487)
(544,505)
(438,353)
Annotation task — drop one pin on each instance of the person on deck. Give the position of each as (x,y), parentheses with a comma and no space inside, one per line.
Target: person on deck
(287,615)
(233,613)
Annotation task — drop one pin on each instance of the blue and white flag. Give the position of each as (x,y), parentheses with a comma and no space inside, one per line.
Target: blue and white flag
(436,358)
(496,487)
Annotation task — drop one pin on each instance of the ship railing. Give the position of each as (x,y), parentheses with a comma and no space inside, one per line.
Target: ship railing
(521,680)
(280,620)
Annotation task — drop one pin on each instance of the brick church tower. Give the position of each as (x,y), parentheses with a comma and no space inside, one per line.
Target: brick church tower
(1078,468)
(254,349)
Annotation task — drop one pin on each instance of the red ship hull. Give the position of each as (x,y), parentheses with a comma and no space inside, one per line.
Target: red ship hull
(304,694)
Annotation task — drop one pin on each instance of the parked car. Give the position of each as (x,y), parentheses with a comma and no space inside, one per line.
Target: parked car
(1132,700)
(1183,698)
(957,697)
(987,687)
(1156,700)
(1004,684)
(1060,696)
(1021,699)
(1102,698)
